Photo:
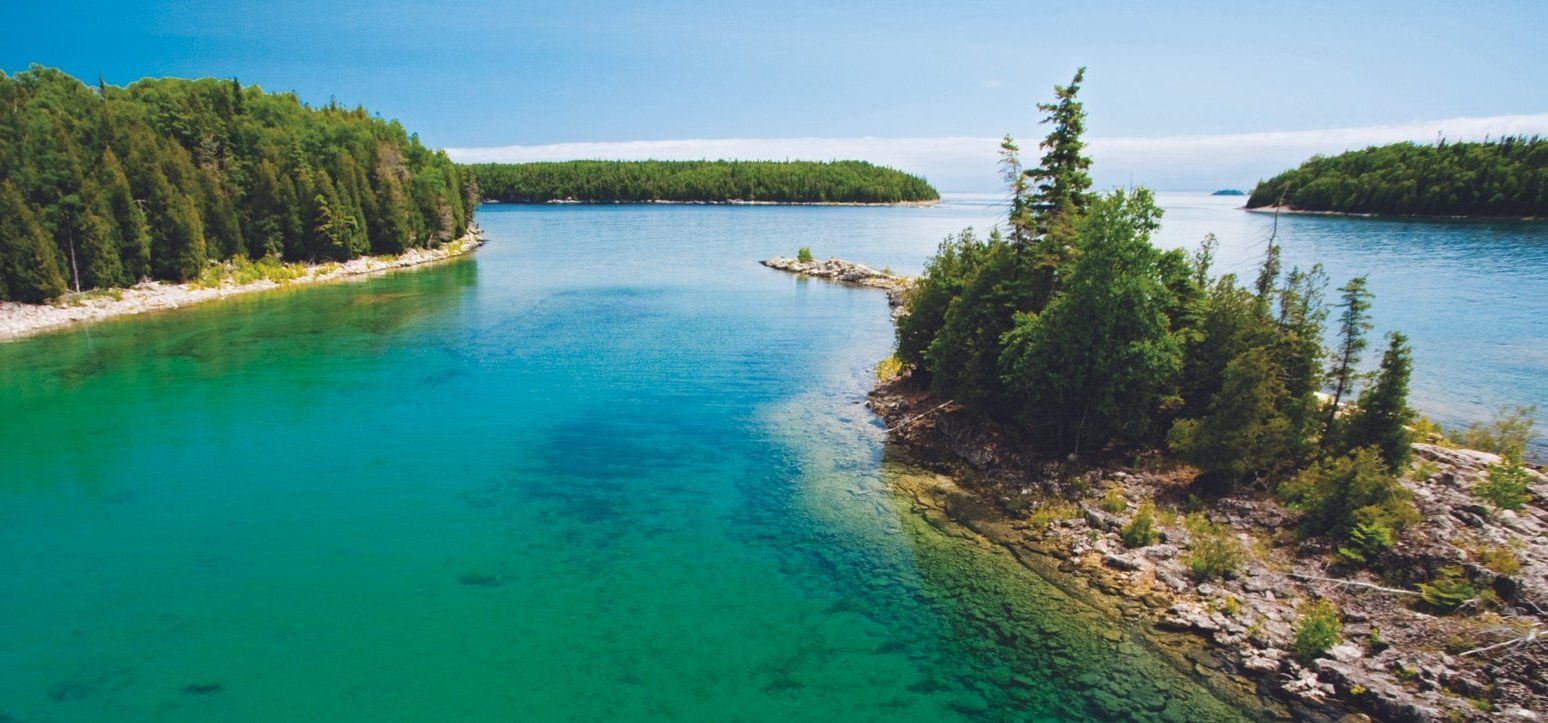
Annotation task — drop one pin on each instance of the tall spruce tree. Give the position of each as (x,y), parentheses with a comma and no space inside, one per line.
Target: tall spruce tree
(1382,416)
(1062,181)
(1353,323)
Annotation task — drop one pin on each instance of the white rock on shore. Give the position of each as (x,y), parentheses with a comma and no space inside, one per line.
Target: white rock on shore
(18,320)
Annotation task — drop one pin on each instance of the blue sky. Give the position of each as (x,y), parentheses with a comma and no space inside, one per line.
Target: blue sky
(473,74)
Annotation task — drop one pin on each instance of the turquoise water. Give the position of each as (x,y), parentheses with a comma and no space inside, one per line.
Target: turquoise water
(606,469)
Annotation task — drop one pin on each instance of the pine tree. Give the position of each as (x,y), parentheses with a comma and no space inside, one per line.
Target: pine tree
(1382,416)
(1300,352)
(1062,182)
(28,269)
(1061,189)
(1353,323)
(1023,226)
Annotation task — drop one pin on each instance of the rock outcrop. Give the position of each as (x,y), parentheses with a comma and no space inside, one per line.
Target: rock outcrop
(1397,660)
(896,286)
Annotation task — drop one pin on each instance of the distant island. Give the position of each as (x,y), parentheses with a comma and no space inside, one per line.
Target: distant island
(1229,192)
(193,180)
(805,182)
(1502,178)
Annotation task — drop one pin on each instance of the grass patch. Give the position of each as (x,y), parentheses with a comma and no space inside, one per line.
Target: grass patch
(1112,501)
(1052,511)
(241,271)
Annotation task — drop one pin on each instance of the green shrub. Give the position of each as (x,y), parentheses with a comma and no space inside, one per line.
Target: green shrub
(1448,591)
(1141,531)
(889,367)
(1216,551)
(1316,629)
(1052,511)
(1337,496)
(1507,486)
(1113,502)
(804,254)
(1367,540)
(1506,434)
(1497,558)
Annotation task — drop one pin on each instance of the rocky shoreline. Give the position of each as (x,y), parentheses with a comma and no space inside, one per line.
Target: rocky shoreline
(1394,662)
(18,320)
(1293,211)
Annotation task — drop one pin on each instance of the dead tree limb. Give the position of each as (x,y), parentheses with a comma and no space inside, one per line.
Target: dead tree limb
(920,416)
(1355,583)
(1532,636)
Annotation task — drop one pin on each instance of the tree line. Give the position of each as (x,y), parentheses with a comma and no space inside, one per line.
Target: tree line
(106,186)
(1504,177)
(699,181)
(1075,334)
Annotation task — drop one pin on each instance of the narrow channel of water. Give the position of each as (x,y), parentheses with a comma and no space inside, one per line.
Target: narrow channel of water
(609,468)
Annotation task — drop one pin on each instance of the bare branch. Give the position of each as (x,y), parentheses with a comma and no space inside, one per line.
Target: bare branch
(920,416)
(1532,636)
(1355,583)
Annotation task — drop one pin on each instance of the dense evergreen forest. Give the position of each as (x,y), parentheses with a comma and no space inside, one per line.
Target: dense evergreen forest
(105,186)
(1078,337)
(699,181)
(1507,177)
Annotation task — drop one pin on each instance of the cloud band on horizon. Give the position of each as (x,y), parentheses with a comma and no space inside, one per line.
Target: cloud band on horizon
(967,163)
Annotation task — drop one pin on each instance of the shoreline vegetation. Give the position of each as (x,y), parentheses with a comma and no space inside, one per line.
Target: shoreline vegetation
(19,320)
(106,187)
(1195,442)
(729,182)
(1292,211)
(1504,178)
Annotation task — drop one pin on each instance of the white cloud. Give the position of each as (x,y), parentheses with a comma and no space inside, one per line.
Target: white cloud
(966,163)
(992,83)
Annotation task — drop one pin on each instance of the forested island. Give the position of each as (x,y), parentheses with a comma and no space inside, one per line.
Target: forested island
(105,186)
(1500,178)
(1189,442)
(807,182)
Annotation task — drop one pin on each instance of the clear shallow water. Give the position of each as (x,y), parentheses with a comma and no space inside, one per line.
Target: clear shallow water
(609,468)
